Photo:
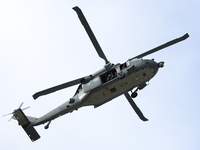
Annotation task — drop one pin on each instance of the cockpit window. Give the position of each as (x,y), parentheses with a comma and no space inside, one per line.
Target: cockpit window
(123,66)
(108,76)
(135,59)
(128,63)
(79,89)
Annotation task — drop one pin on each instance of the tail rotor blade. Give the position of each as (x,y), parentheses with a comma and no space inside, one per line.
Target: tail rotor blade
(11,118)
(7,114)
(12,113)
(20,105)
(26,108)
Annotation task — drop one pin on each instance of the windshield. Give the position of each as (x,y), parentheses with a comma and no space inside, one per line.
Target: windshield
(135,59)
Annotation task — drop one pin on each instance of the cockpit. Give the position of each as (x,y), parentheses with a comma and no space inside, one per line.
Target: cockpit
(123,66)
(127,64)
(134,59)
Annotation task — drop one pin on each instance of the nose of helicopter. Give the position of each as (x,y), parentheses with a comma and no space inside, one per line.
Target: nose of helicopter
(161,64)
(153,65)
(149,65)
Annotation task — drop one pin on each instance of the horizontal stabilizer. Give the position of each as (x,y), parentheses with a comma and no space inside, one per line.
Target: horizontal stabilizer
(24,122)
(31,132)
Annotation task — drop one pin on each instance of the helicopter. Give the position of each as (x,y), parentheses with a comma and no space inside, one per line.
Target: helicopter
(100,87)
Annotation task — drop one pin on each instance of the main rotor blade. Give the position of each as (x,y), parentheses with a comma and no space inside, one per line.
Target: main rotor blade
(90,33)
(56,88)
(163,46)
(137,110)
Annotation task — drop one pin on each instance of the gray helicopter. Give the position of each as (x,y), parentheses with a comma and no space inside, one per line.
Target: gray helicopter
(100,87)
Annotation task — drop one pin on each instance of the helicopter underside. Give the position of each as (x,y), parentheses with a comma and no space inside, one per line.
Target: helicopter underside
(117,87)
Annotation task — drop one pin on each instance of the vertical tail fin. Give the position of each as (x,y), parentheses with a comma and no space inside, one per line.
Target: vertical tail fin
(24,122)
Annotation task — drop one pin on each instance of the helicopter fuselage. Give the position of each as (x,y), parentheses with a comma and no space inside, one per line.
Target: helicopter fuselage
(106,85)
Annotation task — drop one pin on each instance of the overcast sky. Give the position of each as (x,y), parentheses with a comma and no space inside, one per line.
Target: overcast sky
(43,44)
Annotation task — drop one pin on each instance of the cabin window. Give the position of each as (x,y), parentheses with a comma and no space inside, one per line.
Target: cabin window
(123,66)
(95,80)
(110,75)
(128,63)
(118,69)
(79,89)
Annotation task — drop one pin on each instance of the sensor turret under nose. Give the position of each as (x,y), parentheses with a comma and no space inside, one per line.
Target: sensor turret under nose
(161,64)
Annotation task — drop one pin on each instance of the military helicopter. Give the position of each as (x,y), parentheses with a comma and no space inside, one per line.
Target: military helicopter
(100,87)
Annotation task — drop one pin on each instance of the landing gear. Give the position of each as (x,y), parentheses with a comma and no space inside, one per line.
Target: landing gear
(134,94)
(47,126)
(140,87)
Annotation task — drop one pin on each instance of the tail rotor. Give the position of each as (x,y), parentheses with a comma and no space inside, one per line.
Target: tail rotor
(12,113)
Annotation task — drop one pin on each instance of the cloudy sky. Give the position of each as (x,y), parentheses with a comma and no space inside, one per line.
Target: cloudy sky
(43,44)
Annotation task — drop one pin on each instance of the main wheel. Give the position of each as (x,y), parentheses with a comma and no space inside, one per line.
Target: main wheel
(46,127)
(134,94)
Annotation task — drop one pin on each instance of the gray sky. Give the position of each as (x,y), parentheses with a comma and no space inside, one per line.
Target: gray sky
(43,44)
